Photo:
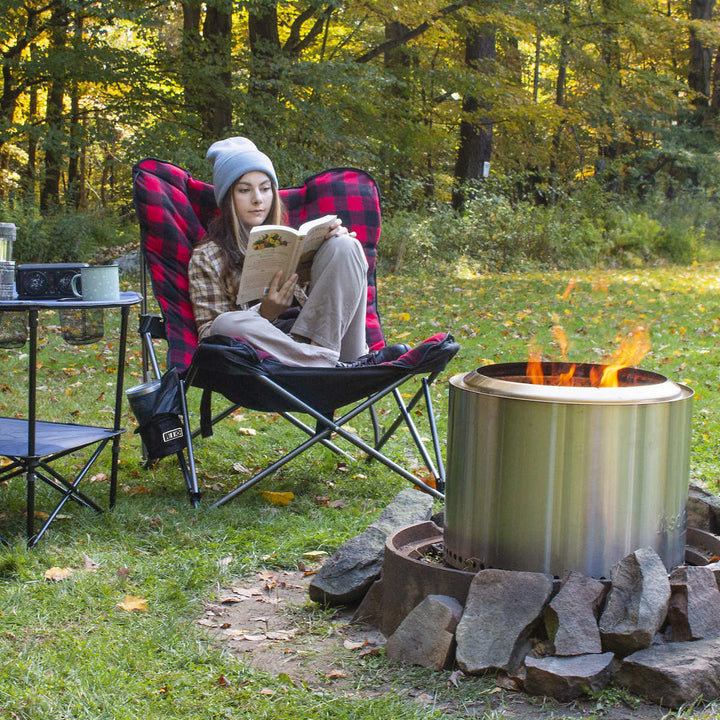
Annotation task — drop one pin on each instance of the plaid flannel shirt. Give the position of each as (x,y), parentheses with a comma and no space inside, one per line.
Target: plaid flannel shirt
(209,298)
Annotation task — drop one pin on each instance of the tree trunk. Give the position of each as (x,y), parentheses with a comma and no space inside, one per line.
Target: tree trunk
(54,118)
(561,81)
(31,166)
(700,75)
(264,47)
(395,61)
(715,99)
(217,34)
(609,147)
(74,180)
(206,71)
(475,133)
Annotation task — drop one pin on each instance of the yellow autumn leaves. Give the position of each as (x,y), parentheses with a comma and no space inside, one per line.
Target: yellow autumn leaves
(130,603)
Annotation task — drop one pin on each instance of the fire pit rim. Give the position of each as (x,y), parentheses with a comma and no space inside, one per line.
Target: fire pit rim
(656,388)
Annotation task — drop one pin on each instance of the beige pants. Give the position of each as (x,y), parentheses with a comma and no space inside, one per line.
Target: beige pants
(333,315)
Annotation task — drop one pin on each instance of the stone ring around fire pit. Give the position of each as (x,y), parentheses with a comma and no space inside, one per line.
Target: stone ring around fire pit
(657,635)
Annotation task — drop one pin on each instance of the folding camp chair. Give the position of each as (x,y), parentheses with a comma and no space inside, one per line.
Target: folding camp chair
(174,210)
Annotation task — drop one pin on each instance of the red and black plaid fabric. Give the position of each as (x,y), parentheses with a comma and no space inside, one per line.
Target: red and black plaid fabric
(174,210)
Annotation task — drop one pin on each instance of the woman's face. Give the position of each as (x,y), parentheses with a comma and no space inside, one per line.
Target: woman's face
(253,197)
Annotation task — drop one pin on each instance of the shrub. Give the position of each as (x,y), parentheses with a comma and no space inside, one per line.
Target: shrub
(586,226)
(67,235)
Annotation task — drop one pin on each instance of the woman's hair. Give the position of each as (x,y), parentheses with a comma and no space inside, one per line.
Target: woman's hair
(231,235)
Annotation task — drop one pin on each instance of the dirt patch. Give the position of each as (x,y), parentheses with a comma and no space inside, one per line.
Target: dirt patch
(271,624)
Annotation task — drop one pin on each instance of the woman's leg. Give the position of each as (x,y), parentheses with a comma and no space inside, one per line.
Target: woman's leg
(334,314)
(263,335)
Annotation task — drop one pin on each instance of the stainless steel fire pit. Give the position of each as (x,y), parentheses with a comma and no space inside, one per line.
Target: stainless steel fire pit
(552,479)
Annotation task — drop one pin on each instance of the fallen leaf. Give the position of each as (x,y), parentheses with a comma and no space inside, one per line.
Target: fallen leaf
(314,554)
(139,489)
(277,498)
(425,698)
(131,603)
(229,600)
(89,564)
(246,592)
(233,633)
(455,676)
(354,644)
(369,650)
(57,574)
(99,477)
(269,578)
(222,681)
(240,468)
(335,674)
(267,691)
(247,431)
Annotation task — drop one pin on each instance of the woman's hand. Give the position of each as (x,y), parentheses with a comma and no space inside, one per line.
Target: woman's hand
(337,228)
(279,297)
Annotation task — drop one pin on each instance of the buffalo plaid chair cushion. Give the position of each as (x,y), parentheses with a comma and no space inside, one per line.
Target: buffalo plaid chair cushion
(174,210)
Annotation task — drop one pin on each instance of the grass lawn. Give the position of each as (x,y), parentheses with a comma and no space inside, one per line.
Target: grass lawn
(68,649)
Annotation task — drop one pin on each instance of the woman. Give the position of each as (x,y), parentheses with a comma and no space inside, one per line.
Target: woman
(329,329)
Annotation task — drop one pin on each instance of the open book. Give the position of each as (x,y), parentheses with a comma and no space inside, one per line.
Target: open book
(276,247)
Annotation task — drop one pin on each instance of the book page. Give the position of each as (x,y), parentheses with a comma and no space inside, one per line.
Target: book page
(270,248)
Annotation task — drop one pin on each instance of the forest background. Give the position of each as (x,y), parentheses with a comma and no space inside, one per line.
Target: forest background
(563,133)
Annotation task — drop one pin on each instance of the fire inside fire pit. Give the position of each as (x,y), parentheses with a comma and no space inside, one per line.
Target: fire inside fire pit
(555,476)
(564,374)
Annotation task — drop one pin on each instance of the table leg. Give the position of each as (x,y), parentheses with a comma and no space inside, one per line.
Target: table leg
(118,402)
(32,389)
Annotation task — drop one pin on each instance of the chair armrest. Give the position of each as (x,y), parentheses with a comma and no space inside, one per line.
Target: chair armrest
(154,325)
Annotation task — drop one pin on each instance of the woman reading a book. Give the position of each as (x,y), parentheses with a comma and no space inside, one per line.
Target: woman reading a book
(329,328)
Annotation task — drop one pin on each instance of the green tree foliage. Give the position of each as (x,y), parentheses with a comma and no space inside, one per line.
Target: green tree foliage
(560,91)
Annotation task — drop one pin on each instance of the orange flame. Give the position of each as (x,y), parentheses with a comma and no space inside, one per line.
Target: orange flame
(566,379)
(633,348)
(560,338)
(534,369)
(631,351)
(570,287)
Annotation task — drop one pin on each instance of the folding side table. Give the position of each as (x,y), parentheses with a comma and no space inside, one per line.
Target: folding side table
(33,445)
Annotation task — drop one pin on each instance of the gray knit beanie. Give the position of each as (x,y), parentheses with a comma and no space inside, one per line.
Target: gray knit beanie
(232,158)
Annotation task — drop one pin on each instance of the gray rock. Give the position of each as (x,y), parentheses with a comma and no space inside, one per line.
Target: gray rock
(637,602)
(426,636)
(571,616)
(370,608)
(129,263)
(566,678)
(346,576)
(703,509)
(673,674)
(694,609)
(501,611)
